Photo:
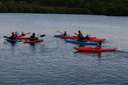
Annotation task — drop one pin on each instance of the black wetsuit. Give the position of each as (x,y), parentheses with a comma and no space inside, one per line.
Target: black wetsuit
(81,37)
(65,34)
(33,37)
(99,44)
(12,37)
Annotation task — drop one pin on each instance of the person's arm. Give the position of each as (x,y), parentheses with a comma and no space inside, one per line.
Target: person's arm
(75,33)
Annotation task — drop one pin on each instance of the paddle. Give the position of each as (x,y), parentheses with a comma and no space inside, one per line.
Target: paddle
(8,38)
(5,37)
(121,51)
(43,35)
(85,37)
(27,33)
(59,32)
(76,34)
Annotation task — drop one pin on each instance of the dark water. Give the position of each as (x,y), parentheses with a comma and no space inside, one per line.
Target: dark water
(54,62)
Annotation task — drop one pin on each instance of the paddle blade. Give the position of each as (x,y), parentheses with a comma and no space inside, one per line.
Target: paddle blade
(42,35)
(5,37)
(59,31)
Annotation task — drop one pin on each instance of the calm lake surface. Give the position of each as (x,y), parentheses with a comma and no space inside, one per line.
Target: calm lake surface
(53,62)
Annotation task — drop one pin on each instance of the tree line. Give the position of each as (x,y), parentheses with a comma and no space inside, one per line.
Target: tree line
(103,7)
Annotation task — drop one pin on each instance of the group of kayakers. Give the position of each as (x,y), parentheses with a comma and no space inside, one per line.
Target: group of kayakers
(81,38)
(33,37)
(14,36)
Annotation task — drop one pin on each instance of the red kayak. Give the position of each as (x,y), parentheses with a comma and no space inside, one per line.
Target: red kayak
(33,41)
(94,50)
(92,39)
(22,37)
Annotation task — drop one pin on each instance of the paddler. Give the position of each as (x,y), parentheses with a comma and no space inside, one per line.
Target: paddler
(65,33)
(22,33)
(80,36)
(13,36)
(87,37)
(33,37)
(99,44)
(16,34)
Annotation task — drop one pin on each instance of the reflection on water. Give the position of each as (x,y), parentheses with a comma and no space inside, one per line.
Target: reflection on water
(33,48)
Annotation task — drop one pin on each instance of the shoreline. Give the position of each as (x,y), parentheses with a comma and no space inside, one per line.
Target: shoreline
(58,13)
(57,10)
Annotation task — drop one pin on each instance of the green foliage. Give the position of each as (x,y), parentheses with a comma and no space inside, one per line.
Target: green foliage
(104,7)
